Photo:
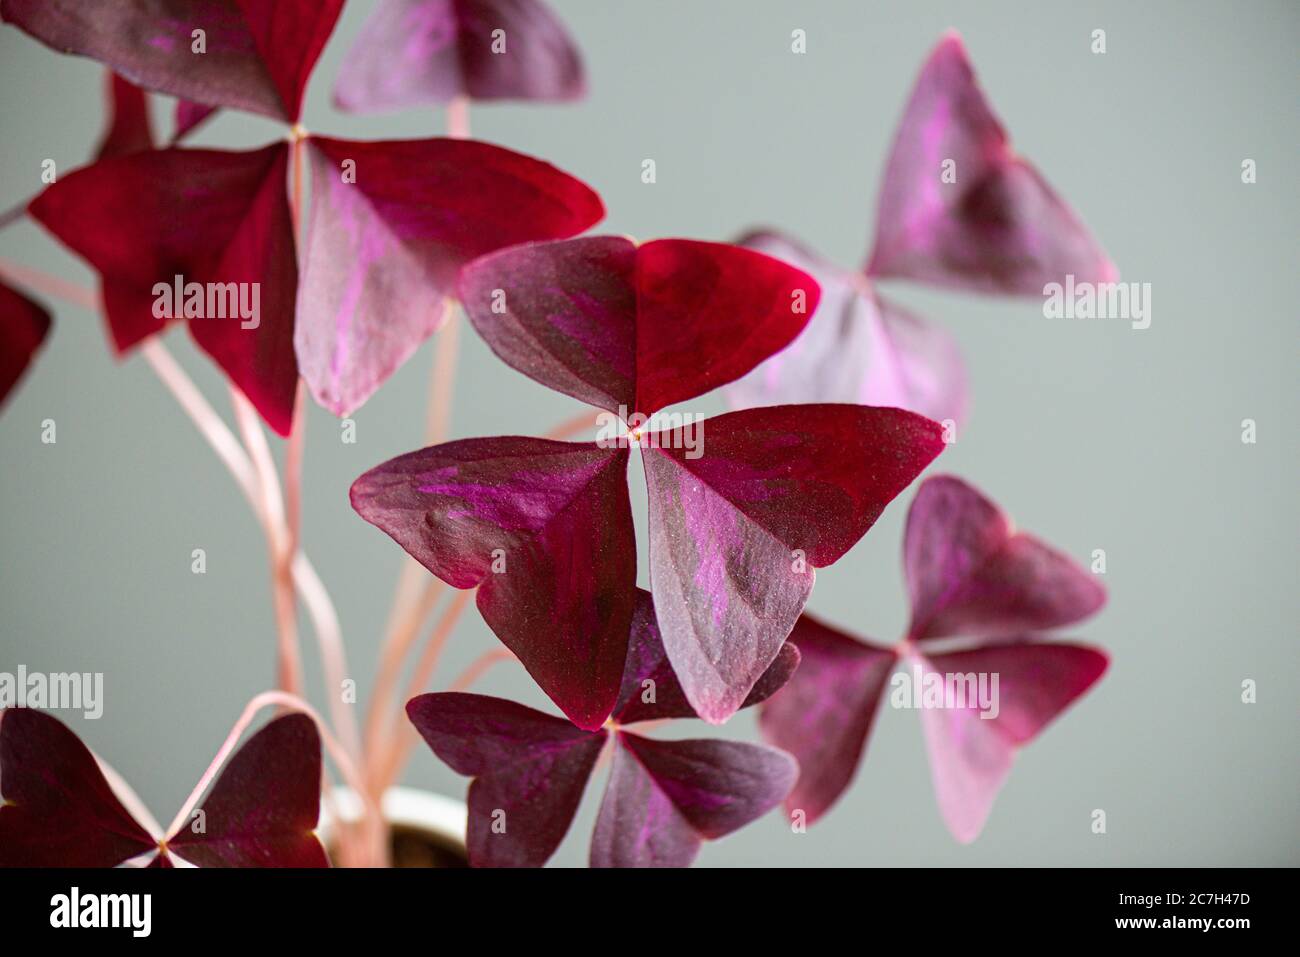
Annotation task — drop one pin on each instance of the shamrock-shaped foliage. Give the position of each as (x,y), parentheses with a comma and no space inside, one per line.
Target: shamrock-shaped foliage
(970,575)
(390,224)
(663,799)
(24,324)
(60,811)
(957,209)
(544,529)
(413,52)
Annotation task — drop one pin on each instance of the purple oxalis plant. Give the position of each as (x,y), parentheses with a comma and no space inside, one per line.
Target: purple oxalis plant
(982,594)
(958,209)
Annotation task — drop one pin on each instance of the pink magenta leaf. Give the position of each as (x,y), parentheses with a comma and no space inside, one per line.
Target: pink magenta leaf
(858,348)
(256,54)
(391,225)
(213,218)
(529,771)
(970,752)
(665,798)
(128,129)
(995,225)
(24,326)
(635,328)
(544,530)
(58,809)
(651,691)
(189,115)
(736,533)
(263,809)
(823,717)
(970,573)
(415,52)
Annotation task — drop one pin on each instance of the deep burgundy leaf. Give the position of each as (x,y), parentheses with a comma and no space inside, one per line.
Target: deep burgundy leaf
(858,348)
(651,691)
(24,324)
(391,225)
(823,717)
(188,117)
(664,798)
(999,227)
(555,521)
(128,130)
(58,809)
(735,534)
(209,216)
(529,772)
(971,755)
(635,328)
(969,573)
(262,810)
(413,52)
(258,53)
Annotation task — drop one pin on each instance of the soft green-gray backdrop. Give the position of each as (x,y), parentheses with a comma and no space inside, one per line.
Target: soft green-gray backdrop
(1092,434)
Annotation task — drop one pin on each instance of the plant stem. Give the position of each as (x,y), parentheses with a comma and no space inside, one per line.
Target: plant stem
(574,426)
(479,666)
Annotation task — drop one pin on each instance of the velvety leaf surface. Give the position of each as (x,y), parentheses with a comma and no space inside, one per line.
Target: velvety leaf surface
(58,809)
(529,772)
(970,755)
(641,327)
(391,224)
(209,216)
(858,348)
(664,798)
(999,227)
(651,691)
(823,717)
(725,528)
(257,56)
(413,52)
(555,520)
(24,324)
(128,129)
(263,808)
(970,573)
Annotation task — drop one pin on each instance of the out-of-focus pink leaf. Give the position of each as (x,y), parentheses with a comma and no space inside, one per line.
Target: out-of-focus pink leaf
(413,52)
(529,772)
(188,117)
(651,691)
(58,809)
(128,129)
(635,328)
(544,530)
(823,717)
(999,227)
(970,573)
(24,324)
(391,225)
(262,810)
(256,55)
(971,754)
(858,348)
(664,798)
(210,217)
(735,534)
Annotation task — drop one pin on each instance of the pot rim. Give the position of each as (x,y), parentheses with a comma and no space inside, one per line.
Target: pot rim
(443,816)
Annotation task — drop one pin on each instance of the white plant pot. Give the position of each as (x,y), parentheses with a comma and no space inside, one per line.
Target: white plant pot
(404,809)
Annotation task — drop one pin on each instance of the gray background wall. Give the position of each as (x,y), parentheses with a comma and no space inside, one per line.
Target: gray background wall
(1092,434)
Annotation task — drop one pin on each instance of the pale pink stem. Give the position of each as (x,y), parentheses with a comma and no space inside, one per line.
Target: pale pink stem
(329,635)
(43,282)
(130,800)
(479,666)
(570,427)
(458,118)
(12,215)
(443,382)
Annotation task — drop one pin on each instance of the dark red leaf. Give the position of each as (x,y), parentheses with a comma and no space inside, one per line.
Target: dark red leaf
(263,808)
(188,117)
(58,809)
(651,691)
(129,130)
(664,798)
(736,533)
(24,324)
(544,530)
(257,53)
(391,225)
(529,771)
(209,216)
(413,52)
(635,328)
